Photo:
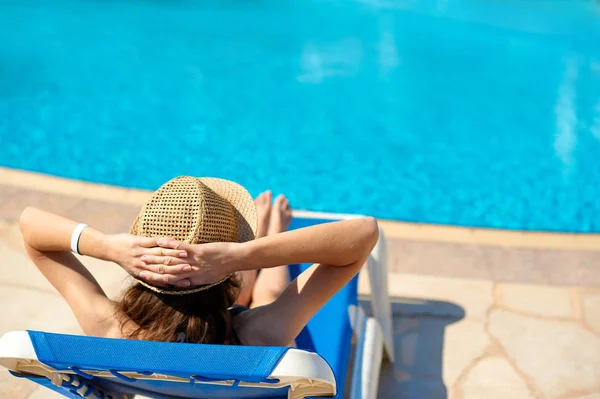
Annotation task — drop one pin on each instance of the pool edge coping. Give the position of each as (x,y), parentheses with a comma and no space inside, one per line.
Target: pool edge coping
(392,229)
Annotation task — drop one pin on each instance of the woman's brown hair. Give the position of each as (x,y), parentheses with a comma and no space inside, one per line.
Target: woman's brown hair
(203,317)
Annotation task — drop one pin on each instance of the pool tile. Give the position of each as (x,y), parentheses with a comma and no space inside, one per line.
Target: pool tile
(537,266)
(493,262)
(18,199)
(43,182)
(570,267)
(515,265)
(434,258)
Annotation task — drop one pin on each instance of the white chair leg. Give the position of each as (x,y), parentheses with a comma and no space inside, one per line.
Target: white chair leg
(371,361)
(358,321)
(377,264)
(367,357)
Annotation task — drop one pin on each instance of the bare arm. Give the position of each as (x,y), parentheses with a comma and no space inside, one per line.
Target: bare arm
(334,244)
(338,251)
(47,239)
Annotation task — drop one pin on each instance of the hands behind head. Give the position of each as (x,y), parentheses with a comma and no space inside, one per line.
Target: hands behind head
(165,261)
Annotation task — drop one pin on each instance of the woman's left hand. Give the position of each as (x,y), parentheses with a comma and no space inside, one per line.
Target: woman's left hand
(130,252)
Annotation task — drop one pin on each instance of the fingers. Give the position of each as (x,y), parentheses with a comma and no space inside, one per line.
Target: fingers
(147,242)
(164,242)
(166,263)
(173,244)
(158,251)
(164,280)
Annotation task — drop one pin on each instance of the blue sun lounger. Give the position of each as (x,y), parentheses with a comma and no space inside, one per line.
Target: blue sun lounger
(104,368)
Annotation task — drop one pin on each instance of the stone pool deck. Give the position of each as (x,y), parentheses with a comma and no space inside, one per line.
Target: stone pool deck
(477,313)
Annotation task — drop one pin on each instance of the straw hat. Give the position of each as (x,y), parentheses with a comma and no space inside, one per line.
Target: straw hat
(197,211)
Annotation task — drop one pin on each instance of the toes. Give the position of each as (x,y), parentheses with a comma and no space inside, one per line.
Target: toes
(279,200)
(264,198)
(282,203)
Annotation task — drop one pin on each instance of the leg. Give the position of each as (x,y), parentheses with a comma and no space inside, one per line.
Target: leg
(248,277)
(270,283)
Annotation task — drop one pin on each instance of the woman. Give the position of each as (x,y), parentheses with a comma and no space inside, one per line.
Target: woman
(188,249)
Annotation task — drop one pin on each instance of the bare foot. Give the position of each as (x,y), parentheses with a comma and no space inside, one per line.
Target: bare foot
(281,215)
(263,211)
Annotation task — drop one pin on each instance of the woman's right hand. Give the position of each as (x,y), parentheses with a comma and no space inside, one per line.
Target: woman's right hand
(130,251)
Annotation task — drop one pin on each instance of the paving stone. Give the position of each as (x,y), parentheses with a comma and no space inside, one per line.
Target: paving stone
(559,356)
(494,378)
(16,269)
(45,393)
(107,217)
(464,341)
(417,389)
(595,395)
(19,271)
(29,309)
(15,388)
(13,238)
(590,301)
(137,197)
(474,296)
(537,299)
(4,225)
(427,362)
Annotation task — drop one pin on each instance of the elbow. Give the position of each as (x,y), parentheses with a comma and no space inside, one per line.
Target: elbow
(372,231)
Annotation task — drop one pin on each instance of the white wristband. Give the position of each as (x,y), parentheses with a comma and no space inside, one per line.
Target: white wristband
(75,237)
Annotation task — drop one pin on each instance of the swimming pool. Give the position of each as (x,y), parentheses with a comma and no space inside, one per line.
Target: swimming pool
(474,113)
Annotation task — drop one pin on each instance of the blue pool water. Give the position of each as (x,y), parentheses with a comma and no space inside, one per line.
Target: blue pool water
(464,112)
